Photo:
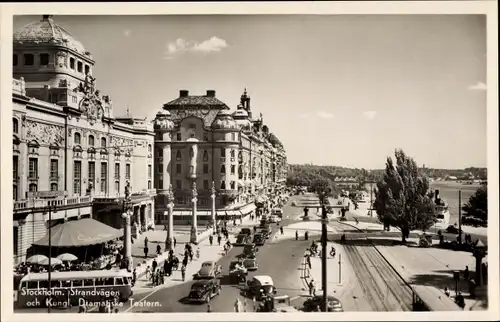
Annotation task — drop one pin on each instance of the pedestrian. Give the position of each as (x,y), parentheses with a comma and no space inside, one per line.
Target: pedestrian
(158,249)
(281,230)
(146,242)
(146,250)
(312,288)
(333,252)
(185,261)
(308,259)
(472,288)
(254,303)
(296,235)
(148,272)
(183,272)
(211,239)
(154,264)
(175,242)
(134,276)
(466,273)
(356,220)
(446,291)
(459,299)
(198,253)
(254,229)
(245,304)
(209,308)
(190,256)
(219,239)
(237,305)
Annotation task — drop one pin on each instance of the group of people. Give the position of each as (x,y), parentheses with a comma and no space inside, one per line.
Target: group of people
(306,235)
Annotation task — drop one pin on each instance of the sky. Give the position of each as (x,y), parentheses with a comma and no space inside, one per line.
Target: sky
(343,90)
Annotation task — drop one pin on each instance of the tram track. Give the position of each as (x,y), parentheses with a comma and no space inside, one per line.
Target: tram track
(381,284)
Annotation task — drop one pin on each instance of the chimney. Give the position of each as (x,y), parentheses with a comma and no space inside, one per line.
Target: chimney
(210,93)
(183,93)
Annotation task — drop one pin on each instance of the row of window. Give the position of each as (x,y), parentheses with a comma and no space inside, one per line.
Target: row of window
(178,168)
(178,136)
(178,154)
(29,60)
(206,185)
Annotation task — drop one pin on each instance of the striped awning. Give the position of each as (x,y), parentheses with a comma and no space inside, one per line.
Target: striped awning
(248,209)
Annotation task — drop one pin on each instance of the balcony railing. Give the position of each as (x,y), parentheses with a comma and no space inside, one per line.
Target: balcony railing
(42,203)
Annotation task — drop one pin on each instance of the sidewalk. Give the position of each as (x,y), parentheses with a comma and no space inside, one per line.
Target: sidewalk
(312,227)
(434,267)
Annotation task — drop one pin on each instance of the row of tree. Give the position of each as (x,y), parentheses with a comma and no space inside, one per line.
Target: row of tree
(403,198)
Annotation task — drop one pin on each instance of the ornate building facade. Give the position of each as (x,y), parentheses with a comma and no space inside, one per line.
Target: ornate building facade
(198,140)
(69,151)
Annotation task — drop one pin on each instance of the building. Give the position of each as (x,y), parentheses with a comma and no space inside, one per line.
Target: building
(69,151)
(198,140)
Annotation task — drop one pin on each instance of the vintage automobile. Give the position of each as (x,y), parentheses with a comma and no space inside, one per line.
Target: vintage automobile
(260,286)
(209,269)
(204,291)
(237,275)
(266,232)
(312,304)
(277,303)
(264,222)
(245,231)
(250,250)
(251,264)
(278,212)
(242,239)
(259,239)
(274,219)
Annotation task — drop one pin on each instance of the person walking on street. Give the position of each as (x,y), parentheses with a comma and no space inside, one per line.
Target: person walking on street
(134,277)
(308,260)
(211,239)
(158,249)
(183,272)
(312,288)
(146,241)
(175,242)
(219,239)
(154,264)
(146,250)
(237,306)
(198,253)
(209,308)
(296,235)
(446,291)
(466,273)
(281,230)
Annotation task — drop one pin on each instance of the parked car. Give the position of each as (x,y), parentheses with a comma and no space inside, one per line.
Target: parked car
(204,291)
(251,264)
(245,231)
(241,240)
(258,239)
(209,269)
(278,212)
(452,229)
(259,286)
(250,251)
(311,304)
(266,233)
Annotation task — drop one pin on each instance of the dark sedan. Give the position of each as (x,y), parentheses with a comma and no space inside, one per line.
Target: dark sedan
(312,304)
(258,239)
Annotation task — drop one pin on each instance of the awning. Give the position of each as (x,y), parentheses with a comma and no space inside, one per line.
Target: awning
(76,233)
(247,209)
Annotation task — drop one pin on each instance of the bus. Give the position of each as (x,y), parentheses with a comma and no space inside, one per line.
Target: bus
(73,287)
(429,298)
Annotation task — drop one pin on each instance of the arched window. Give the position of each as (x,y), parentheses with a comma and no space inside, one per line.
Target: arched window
(15,125)
(53,186)
(103,142)
(178,155)
(91,140)
(78,138)
(223,185)
(33,187)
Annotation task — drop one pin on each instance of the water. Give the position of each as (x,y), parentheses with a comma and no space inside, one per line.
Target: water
(449,192)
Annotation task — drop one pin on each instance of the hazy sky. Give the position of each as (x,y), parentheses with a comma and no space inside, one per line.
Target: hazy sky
(338,90)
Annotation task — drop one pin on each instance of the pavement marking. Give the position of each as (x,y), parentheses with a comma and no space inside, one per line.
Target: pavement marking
(145,297)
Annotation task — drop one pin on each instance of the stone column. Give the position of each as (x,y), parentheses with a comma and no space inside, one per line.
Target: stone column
(169,243)
(194,225)
(214,216)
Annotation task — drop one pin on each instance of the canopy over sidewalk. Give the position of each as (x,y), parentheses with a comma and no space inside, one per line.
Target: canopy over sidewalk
(76,233)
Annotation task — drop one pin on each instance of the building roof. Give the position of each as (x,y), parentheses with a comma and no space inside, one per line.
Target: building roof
(196,101)
(46,31)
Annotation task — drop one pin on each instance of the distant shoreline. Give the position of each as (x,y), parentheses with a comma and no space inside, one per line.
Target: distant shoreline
(455,184)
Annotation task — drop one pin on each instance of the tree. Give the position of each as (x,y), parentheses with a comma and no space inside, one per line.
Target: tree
(477,206)
(401,196)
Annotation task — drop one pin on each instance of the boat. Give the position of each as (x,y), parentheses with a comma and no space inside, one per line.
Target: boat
(442,211)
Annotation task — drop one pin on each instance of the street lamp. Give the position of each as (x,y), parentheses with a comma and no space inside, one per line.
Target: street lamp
(169,244)
(214,217)
(479,253)
(194,227)
(324,240)
(49,277)
(127,242)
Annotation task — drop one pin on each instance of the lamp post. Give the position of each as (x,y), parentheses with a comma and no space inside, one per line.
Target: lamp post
(127,242)
(214,217)
(479,253)
(324,240)
(49,272)
(194,226)
(169,244)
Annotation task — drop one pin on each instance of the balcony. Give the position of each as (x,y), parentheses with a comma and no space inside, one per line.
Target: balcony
(58,202)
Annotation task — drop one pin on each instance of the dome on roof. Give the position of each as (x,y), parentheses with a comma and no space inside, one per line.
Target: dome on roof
(163,121)
(45,32)
(224,121)
(240,113)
